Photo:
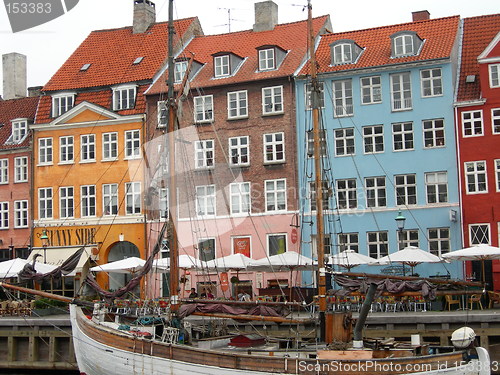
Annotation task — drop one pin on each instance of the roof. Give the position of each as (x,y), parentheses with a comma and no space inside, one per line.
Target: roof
(290,37)
(478,33)
(11,110)
(439,37)
(111,54)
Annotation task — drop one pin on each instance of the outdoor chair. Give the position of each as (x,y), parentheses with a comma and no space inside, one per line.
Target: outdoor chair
(494,298)
(450,301)
(475,299)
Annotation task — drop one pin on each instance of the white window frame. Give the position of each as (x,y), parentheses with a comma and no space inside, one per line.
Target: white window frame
(494,75)
(474,233)
(430,132)
(203,109)
(322,141)
(19,131)
(132,144)
(431,82)
(342,53)
(407,237)
(21,214)
(495,120)
(402,134)
(436,184)
(276,195)
(347,193)
(240,198)
(237,104)
(405,188)
(66,150)
(441,240)
(66,202)
(45,203)
(180,68)
(342,98)
(325,192)
(133,198)
(213,243)
(273,147)
(401,95)
(472,123)
(162,112)
(348,241)
(109,146)
(373,137)
(4,171)
(87,148)
(267,59)
(4,215)
(110,199)
(163,207)
(473,178)
(88,201)
(206,201)
(204,154)
(124,97)
(371,90)
(268,242)
(272,100)
(62,103)
(345,142)
(497,174)
(308,91)
(378,190)
(403,45)
(45,151)
(239,151)
(222,66)
(379,243)
(20,169)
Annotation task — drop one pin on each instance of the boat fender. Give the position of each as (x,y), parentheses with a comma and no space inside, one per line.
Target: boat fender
(463,337)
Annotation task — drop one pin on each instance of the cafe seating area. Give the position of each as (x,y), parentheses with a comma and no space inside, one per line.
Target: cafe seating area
(16,308)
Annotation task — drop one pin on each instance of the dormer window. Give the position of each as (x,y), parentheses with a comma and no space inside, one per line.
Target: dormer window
(19,131)
(124,97)
(221,66)
(267,59)
(345,51)
(226,64)
(62,103)
(405,43)
(180,68)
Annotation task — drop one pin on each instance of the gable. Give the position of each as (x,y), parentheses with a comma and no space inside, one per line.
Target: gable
(492,51)
(85,112)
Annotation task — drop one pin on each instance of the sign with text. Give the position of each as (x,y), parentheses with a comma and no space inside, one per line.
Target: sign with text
(241,245)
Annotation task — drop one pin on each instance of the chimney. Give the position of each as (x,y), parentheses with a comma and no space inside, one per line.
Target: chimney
(421,15)
(266,16)
(144,15)
(35,91)
(14,76)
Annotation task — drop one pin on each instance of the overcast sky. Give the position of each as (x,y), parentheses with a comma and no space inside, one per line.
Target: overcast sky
(49,45)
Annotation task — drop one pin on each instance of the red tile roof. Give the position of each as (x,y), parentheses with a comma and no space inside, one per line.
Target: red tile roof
(291,37)
(14,109)
(439,35)
(111,54)
(478,33)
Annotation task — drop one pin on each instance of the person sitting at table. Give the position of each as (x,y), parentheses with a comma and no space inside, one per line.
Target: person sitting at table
(209,294)
(203,293)
(193,293)
(244,296)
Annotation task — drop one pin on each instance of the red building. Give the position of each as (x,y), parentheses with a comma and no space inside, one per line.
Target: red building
(478,133)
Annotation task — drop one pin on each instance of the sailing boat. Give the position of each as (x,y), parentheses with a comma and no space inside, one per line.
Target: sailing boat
(102,349)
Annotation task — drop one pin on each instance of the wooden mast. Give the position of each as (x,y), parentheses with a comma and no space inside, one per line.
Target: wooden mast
(320,240)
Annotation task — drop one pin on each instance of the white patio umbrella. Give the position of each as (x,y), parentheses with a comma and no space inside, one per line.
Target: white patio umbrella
(411,256)
(479,252)
(127,265)
(185,261)
(349,259)
(289,260)
(236,262)
(11,268)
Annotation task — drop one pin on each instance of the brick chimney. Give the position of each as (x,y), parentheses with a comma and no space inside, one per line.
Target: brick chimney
(421,15)
(14,76)
(144,15)
(266,16)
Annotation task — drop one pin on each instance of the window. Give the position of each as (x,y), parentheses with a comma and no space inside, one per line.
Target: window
(162,111)
(4,215)
(342,53)
(88,200)
(132,144)
(371,90)
(479,233)
(407,238)
(240,197)
(378,246)
(433,133)
(205,200)
(406,189)
(206,249)
(439,240)
(373,138)
(436,187)
(221,66)
(124,97)
(432,83)
(472,123)
(62,104)
(494,70)
(322,142)
(164,203)
(344,142)
(21,214)
(4,171)
(45,203)
(497,173)
(204,154)
(66,150)
(321,97)
(267,60)
(203,109)
(45,151)
(237,104)
(348,241)
(375,192)
(19,132)
(180,68)
(327,245)
(276,244)
(495,120)
(401,92)
(275,191)
(87,146)
(342,98)
(21,169)
(66,202)
(325,192)
(402,136)
(109,199)
(133,198)
(475,177)
(274,148)
(110,146)
(403,45)
(347,195)
(239,151)
(272,100)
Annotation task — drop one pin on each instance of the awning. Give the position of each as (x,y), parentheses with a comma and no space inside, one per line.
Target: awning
(57,255)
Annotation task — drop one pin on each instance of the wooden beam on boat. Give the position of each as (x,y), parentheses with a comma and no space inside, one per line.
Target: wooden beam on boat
(275,319)
(419,294)
(243,303)
(43,294)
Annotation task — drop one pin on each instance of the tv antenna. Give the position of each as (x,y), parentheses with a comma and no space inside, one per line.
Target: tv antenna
(229,19)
